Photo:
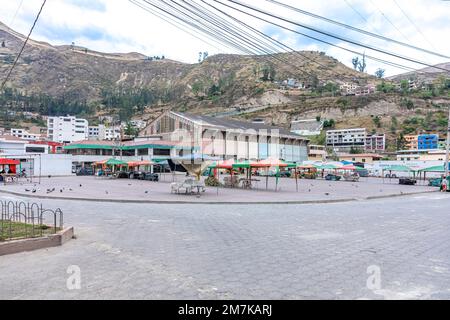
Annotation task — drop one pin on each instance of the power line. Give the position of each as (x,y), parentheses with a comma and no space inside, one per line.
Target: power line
(23,47)
(15,14)
(174,23)
(389,20)
(248,38)
(412,22)
(215,27)
(278,43)
(320,40)
(396,55)
(371,34)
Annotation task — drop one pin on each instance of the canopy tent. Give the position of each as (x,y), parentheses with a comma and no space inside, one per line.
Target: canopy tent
(434,169)
(227,164)
(306,167)
(351,168)
(134,164)
(327,166)
(398,168)
(115,162)
(8,166)
(111,163)
(12,162)
(245,165)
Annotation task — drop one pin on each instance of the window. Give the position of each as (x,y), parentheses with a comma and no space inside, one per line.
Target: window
(35,149)
(161,152)
(143,152)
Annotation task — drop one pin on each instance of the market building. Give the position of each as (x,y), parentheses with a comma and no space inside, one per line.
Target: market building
(227,138)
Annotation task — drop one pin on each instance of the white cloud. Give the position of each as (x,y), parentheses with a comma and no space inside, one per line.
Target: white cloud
(120,26)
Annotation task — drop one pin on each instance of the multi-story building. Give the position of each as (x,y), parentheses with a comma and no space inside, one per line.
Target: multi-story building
(317,153)
(375,143)
(360,158)
(428,141)
(24,134)
(67,129)
(348,88)
(102,132)
(346,138)
(365,90)
(411,142)
(226,138)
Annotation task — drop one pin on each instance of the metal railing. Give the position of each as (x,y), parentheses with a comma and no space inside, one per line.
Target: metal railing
(23,220)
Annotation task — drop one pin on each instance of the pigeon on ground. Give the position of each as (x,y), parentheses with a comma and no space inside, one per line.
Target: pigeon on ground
(81,185)
(34,191)
(146,192)
(327,194)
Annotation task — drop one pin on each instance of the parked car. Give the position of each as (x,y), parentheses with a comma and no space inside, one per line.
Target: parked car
(136,175)
(391,176)
(85,172)
(332,177)
(408,182)
(123,175)
(281,174)
(151,177)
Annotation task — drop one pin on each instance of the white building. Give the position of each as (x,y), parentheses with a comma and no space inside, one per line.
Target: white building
(348,88)
(67,129)
(101,133)
(24,134)
(347,138)
(376,142)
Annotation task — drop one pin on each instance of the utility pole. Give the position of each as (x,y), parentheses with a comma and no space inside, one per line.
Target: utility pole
(447,147)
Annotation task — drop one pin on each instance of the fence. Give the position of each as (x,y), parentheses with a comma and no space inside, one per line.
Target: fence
(21,220)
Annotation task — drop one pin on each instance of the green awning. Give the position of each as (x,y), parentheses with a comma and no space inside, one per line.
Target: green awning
(434,169)
(326,166)
(399,168)
(115,162)
(243,165)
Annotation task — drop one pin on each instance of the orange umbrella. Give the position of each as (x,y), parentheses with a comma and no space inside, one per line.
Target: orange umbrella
(140,163)
(272,162)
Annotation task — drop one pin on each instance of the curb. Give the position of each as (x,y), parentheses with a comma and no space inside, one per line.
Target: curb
(219,202)
(26,245)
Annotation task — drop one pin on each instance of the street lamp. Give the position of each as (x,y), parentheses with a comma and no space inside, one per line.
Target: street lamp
(447,147)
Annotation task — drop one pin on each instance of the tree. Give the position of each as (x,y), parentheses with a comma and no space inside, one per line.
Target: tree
(377,121)
(130,130)
(355,150)
(355,62)
(404,85)
(401,142)
(380,73)
(362,64)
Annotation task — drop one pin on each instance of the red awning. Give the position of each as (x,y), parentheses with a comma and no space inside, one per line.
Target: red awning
(9,162)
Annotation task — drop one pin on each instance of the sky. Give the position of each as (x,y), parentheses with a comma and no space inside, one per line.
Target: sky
(121,26)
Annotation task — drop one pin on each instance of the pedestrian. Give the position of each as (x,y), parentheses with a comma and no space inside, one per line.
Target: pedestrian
(444,184)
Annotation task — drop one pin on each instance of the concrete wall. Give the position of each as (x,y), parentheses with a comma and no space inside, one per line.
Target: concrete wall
(47,164)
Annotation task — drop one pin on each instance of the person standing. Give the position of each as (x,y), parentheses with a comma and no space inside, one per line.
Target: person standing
(444,184)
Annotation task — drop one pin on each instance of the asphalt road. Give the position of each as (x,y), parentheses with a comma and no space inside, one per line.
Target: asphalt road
(198,251)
